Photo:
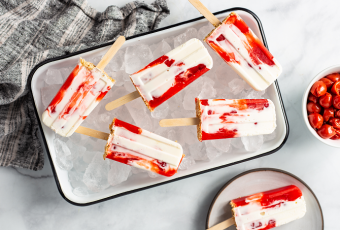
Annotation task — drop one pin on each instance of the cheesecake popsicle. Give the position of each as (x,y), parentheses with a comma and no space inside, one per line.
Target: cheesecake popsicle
(266,210)
(241,49)
(80,94)
(168,74)
(229,118)
(131,145)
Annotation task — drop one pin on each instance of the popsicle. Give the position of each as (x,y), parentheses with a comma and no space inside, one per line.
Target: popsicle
(266,210)
(228,118)
(80,94)
(167,75)
(134,146)
(238,46)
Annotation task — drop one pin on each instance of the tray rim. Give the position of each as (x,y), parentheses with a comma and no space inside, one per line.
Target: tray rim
(259,170)
(30,76)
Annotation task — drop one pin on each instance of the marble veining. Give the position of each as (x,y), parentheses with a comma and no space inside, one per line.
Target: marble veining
(303,36)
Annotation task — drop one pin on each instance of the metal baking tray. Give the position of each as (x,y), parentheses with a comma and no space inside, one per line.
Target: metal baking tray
(137,184)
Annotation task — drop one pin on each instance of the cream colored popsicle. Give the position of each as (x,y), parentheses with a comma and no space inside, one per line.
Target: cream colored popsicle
(266,210)
(228,118)
(76,99)
(134,146)
(80,94)
(238,46)
(270,209)
(169,74)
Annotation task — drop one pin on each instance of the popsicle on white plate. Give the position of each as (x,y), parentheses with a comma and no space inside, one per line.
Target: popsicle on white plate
(168,74)
(228,118)
(137,147)
(238,46)
(77,97)
(270,209)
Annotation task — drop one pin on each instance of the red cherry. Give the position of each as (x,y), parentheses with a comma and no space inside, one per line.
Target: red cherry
(327,81)
(336,102)
(336,88)
(337,113)
(313,107)
(335,122)
(326,131)
(335,137)
(315,120)
(312,98)
(318,89)
(326,100)
(328,113)
(333,77)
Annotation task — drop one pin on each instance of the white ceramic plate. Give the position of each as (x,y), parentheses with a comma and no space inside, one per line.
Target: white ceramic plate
(139,182)
(258,180)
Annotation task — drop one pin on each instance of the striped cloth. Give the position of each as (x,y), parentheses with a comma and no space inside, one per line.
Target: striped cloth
(32,31)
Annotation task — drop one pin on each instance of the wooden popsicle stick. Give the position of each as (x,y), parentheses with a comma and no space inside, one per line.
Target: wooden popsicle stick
(121,101)
(223,225)
(112,51)
(205,12)
(92,133)
(179,122)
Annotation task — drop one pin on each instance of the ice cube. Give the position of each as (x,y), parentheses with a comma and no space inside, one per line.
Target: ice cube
(269,137)
(76,178)
(222,145)
(116,93)
(253,94)
(204,31)
(191,93)
(172,135)
(188,135)
(252,143)
(212,153)
(153,175)
(118,173)
(76,150)
(93,144)
(207,92)
(170,41)
(197,151)
(161,48)
(117,61)
(63,155)
(187,163)
(139,114)
(129,86)
(161,111)
(65,72)
(186,36)
(96,174)
(136,57)
(136,170)
(53,77)
(237,142)
(80,191)
(236,85)
(118,77)
(48,93)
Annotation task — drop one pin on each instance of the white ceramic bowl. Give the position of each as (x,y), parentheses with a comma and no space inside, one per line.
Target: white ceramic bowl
(323,73)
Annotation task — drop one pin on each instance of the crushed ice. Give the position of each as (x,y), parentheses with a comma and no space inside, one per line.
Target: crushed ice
(82,157)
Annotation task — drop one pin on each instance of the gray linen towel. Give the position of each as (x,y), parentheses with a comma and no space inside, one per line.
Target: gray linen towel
(32,31)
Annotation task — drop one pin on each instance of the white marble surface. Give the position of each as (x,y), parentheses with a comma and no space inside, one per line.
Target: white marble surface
(303,35)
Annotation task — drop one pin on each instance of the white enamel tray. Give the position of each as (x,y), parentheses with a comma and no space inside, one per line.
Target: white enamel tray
(138,183)
(259,180)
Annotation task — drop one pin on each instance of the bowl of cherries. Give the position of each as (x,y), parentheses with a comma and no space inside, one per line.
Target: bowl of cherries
(321,106)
